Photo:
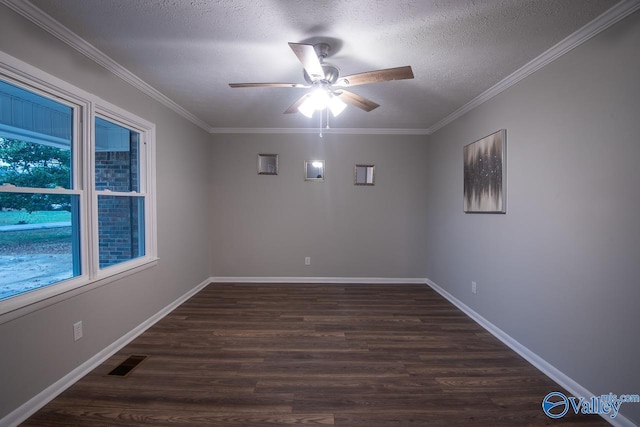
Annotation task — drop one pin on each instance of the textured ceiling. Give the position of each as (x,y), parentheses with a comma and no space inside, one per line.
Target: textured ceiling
(191,50)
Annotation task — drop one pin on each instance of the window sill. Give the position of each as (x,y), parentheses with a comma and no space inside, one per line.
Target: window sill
(30,302)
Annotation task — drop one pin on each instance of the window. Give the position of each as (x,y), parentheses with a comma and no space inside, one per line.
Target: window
(76,203)
(118,186)
(39,201)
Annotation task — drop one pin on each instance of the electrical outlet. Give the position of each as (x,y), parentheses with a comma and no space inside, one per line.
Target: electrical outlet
(474,287)
(307,260)
(77,330)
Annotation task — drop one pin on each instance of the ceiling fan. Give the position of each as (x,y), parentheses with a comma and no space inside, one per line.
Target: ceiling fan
(326,83)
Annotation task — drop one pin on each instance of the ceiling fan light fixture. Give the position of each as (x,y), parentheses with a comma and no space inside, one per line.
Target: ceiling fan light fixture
(307,108)
(321,99)
(317,100)
(336,105)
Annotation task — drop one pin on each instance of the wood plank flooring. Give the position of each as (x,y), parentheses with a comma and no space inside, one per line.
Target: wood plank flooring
(328,355)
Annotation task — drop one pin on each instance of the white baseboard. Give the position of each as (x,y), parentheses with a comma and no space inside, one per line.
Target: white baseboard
(316,280)
(33,405)
(30,407)
(538,362)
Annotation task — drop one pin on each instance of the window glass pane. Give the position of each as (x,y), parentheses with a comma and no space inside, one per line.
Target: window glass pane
(117,157)
(25,115)
(31,164)
(35,139)
(120,229)
(37,247)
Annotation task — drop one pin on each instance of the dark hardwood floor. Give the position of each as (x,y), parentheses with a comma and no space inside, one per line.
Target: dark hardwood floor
(332,355)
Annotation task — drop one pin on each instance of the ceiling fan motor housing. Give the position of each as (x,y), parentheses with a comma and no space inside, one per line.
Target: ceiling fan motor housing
(331,74)
(322,50)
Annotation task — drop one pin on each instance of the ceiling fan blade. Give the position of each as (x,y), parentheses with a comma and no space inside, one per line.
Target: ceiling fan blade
(309,59)
(294,107)
(357,100)
(398,73)
(268,85)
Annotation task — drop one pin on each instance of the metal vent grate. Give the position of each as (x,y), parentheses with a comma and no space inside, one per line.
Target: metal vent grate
(125,368)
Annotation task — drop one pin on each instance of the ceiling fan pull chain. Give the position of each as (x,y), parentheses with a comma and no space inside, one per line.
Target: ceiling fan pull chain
(327,111)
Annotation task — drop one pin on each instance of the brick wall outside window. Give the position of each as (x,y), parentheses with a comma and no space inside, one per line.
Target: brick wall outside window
(119,234)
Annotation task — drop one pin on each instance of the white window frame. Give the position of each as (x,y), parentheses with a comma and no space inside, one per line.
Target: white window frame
(85,108)
(146,184)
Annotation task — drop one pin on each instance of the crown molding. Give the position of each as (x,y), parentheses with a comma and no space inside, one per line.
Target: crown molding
(335,131)
(55,28)
(601,23)
(47,23)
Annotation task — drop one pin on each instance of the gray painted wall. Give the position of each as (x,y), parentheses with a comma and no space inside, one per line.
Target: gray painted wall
(38,349)
(266,225)
(559,272)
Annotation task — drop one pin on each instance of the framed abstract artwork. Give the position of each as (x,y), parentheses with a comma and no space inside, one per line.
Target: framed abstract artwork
(485,174)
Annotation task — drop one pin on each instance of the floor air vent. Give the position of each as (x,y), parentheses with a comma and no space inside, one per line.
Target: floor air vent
(125,368)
